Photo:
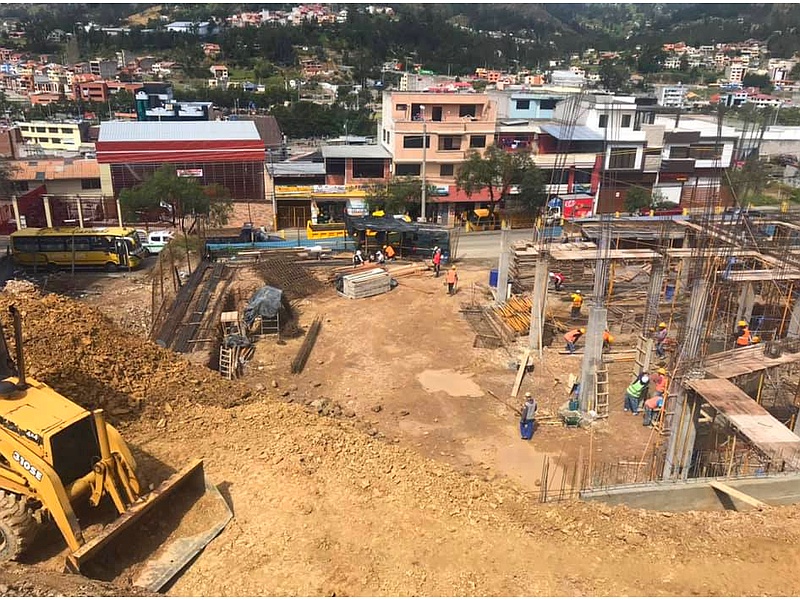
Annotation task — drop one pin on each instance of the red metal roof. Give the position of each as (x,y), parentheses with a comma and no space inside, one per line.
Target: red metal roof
(457,195)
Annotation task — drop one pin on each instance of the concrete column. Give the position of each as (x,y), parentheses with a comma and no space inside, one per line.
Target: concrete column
(793,330)
(538,303)
(747,297)
(653,296)
(47,217)
(683,423)
(502,268)
(80,212)
(592,355)
(119,213)
(15,206)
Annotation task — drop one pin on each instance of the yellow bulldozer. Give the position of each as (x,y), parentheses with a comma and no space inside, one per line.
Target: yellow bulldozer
(59,463)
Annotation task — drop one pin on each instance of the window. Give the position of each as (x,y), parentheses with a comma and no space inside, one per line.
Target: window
(407,169)
(466,110)
(90,184)
(368,168)
(705,151)
(415,141)
(622,158)
(24,128)
(602,121)
(100,243)
(477,141)
(523,104)
(449,142)
(677,152)
(446,170)
(26,244)
(40,129)
(81,244)
(53,244)
(626,120)
(582,176)
(65,130)
(548,104)
(43,140)
(436,113)
(334,166)
(52,130)
(19,186)
(56,140)
(401,107)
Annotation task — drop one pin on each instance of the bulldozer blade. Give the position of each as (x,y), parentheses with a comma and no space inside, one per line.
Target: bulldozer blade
(158,571)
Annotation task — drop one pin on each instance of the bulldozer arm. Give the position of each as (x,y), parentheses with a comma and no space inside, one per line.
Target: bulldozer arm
(159,570)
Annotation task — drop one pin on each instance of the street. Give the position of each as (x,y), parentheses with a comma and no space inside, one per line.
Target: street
(486,244)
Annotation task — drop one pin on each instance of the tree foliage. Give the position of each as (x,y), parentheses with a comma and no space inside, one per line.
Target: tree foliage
(498,171)
(613,75)
(399,196)
(183,197)
(637,198)
(749,181)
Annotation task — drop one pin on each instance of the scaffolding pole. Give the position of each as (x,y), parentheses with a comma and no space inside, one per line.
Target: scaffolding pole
(538,303)
(502,268)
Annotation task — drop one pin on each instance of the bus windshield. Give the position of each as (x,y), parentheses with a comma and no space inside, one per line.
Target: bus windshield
(134,246)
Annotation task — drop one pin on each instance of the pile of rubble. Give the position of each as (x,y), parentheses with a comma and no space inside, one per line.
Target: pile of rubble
(89,359)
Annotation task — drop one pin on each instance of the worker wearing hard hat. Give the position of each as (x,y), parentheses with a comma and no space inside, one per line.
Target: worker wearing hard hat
(635,392)
(452,280)
(573,336)
(743,335)
(558,280)
(660,381)
(660,338)
(608,339)
(577,303)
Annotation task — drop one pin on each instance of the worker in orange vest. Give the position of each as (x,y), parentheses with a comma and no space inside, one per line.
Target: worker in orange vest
(660,381)
(452,280)
(608,339)
(744,338)
(389,251)
(573,336)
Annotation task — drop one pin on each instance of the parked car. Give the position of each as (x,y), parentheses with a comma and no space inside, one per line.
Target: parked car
(154,241)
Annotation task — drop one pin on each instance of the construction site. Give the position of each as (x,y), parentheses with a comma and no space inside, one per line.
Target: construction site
(363,430)
(358,427)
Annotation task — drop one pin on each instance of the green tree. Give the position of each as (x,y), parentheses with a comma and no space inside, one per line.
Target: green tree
(497,171)
(637,198)
(760,81)
(184,195)
(749,181)
(400,195)
(614,76)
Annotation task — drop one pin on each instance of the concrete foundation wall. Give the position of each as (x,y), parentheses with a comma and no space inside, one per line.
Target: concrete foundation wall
(697,494)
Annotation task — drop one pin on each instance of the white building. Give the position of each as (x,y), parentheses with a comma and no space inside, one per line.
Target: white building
(673,96)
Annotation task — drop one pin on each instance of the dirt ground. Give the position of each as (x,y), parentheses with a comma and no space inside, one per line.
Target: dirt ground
(420,487)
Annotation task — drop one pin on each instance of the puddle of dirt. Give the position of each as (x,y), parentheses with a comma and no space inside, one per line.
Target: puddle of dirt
(450,382)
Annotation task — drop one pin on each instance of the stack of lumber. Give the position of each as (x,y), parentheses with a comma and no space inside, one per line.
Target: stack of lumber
(348,270)
(365,284)
(522,266)
(516,313)
(405,270)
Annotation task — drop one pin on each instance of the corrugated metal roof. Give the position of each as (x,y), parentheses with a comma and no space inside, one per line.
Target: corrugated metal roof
(357,151)
(180,131)
(48,170)
(289,169)
(576,132)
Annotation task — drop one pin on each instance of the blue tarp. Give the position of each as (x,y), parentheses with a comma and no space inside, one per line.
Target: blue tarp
(266,302)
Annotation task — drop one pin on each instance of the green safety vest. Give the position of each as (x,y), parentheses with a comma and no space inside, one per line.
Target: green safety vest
(635,389)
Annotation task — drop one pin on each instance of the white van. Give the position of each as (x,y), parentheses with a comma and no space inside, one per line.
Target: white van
(154,241)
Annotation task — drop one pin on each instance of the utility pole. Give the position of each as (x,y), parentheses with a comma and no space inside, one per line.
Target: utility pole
(423,212)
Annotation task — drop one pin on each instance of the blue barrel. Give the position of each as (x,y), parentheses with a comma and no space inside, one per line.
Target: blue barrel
(669,292)
(574,405)
(493,276)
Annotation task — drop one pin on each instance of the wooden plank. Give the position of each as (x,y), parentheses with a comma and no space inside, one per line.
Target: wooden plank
(523,365)
(738,495)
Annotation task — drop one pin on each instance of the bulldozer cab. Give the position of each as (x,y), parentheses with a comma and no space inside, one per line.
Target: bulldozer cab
(59,462)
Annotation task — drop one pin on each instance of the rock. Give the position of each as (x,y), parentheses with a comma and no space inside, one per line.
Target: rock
(365,484)
(404,413)
(316,384)
(377,408)
(372,432)
(274,383)
(349,412)
(285,393)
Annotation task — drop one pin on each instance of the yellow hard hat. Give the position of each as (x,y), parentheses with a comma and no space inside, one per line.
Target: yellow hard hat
(583,329)
(756,339)
(742,323)
(662,371)
(662,325)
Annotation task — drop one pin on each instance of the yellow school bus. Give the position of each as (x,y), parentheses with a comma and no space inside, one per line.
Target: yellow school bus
(111,248)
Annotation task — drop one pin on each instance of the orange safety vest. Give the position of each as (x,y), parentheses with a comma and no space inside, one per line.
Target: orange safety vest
(452,276)
(572,336)
(744,339)
(389,252)
(608,338)
(660,382)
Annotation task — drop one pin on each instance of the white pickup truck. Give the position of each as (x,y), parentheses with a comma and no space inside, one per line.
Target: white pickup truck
(154,241)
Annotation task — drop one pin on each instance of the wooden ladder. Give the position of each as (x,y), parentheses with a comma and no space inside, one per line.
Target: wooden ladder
(601,391)
(664,417)
(226,362)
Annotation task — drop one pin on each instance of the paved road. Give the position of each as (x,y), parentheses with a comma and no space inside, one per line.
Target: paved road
(486,244)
